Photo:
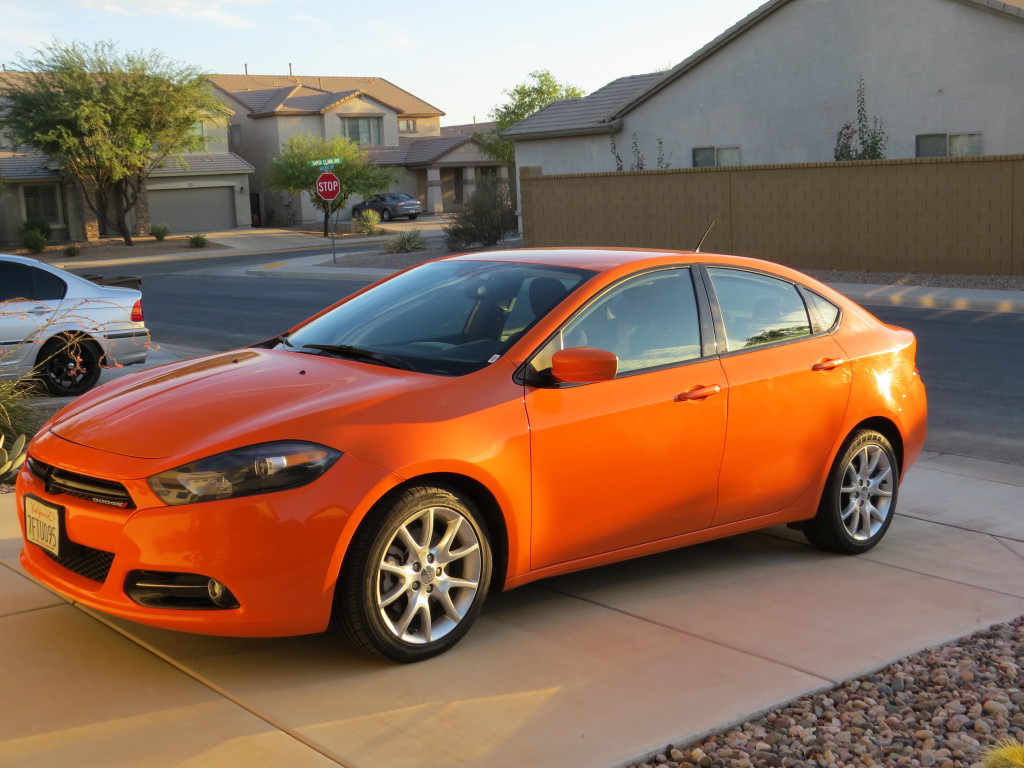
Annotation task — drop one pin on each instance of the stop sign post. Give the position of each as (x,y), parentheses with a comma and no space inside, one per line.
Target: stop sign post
(327,186)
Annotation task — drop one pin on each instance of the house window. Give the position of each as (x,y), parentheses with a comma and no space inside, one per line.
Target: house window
(234,137)
(361,130)
(708,157)
(41,202)
(407,126)
(948,144)
(198,129)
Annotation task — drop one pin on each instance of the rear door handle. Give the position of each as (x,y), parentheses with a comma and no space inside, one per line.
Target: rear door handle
(698,393)
(828,364)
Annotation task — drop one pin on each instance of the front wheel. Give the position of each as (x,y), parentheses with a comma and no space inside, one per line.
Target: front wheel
(859,500)
(385,214)
(68,366)
(416,575)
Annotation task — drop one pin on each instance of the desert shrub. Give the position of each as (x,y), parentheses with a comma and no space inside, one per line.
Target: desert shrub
(197,241)
(39,225)
(487,218)
(16,415)
(1007,754)
(72,251)
(406,242)
(368,221)
(33,240)
(159,231)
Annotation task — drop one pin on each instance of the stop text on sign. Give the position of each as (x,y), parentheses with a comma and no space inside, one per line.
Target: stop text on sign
(327,186)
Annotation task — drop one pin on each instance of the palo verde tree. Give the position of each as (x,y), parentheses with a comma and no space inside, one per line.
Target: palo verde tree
(524,99)
(291,171)
(108,119)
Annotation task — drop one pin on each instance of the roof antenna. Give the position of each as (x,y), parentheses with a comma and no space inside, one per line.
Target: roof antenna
(706,231)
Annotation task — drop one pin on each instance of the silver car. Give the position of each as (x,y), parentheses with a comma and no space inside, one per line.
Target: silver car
(63,329)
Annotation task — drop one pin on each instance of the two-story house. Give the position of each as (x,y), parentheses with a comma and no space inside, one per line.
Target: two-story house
(396,127)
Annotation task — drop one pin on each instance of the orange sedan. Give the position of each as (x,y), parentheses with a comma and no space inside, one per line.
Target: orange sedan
(476,422)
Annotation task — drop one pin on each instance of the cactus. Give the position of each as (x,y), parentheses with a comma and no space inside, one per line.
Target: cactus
(11,461)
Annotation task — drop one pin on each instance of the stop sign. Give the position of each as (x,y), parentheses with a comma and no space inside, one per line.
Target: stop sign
(328,186)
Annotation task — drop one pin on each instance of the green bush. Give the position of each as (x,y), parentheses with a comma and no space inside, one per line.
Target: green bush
(40,226)
(367,222)
(197,241)
(487,218)
(406,242)
(159,231)
(33,240)
(72,251)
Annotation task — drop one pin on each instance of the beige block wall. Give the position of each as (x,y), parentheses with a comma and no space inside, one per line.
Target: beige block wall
(955,215)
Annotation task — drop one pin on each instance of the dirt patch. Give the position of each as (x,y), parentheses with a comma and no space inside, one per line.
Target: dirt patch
(114,248)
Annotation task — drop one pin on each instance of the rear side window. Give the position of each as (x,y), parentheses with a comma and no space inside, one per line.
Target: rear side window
(20,281)
(758,309)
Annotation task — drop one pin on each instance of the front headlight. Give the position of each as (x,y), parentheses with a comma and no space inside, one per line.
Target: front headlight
(244,472)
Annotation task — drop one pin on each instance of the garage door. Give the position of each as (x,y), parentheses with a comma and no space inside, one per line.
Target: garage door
(201,209)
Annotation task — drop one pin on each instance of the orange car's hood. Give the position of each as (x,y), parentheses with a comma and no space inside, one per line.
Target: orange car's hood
(246,396)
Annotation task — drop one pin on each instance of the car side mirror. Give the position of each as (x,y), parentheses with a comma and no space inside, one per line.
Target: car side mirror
(584,365)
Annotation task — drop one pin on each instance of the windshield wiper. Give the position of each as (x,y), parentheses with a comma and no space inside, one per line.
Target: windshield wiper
(355,353)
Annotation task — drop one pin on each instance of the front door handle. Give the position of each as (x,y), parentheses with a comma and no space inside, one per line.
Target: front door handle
(828,364)
(698,393)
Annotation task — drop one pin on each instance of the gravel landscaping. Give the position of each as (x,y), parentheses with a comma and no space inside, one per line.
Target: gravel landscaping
(941,708)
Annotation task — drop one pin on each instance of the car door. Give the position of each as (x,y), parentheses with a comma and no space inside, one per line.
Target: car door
(789,386)
(635,459)
(29,297)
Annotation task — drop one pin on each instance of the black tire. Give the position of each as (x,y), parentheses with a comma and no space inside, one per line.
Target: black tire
(385,214)
(859,500)
(412,216)
(415,577)
(356,211)
(68,366)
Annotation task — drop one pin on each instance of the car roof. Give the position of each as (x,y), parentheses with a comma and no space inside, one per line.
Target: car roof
(605,259)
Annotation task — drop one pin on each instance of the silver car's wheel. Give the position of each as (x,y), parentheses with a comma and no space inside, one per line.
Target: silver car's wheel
(416,577)
(859,500)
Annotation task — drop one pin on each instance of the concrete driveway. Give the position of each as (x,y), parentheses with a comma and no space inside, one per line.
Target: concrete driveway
(591,669)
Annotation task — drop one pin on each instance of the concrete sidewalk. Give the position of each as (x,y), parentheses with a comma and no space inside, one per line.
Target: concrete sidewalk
(592,669)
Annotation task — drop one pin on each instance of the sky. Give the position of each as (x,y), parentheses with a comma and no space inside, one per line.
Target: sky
(457,55)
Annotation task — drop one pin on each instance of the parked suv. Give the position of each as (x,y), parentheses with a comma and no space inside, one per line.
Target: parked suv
(390,206)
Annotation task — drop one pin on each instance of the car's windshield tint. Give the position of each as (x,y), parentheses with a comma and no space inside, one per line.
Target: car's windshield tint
(447,317)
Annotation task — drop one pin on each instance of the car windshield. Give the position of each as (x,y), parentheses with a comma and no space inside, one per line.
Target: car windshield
(446,318)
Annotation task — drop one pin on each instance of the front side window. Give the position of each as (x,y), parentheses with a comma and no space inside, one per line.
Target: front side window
(710,157)
(948,144)
(649,321)
(364,131)
(42,203)
(757,309)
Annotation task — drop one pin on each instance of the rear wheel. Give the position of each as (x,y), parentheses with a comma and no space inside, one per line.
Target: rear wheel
(68,366)
(859,500)
(412,216)
(416,575)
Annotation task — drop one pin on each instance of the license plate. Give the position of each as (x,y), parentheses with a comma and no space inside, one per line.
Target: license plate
(42,524)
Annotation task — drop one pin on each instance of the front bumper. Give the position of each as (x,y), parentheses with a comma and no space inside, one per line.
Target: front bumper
(279,554)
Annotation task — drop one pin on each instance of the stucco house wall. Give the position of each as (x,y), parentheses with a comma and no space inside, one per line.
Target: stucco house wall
(782,83)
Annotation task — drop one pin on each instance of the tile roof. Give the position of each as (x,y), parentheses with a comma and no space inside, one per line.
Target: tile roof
(270,94)
(223,162)
(412,151)
(468,129)
(27,165)
(587,114)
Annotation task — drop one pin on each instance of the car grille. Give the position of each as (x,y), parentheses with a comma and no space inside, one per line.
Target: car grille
(92,489)
(91,563)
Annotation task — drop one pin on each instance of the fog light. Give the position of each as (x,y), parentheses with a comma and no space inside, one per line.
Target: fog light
(218,593)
